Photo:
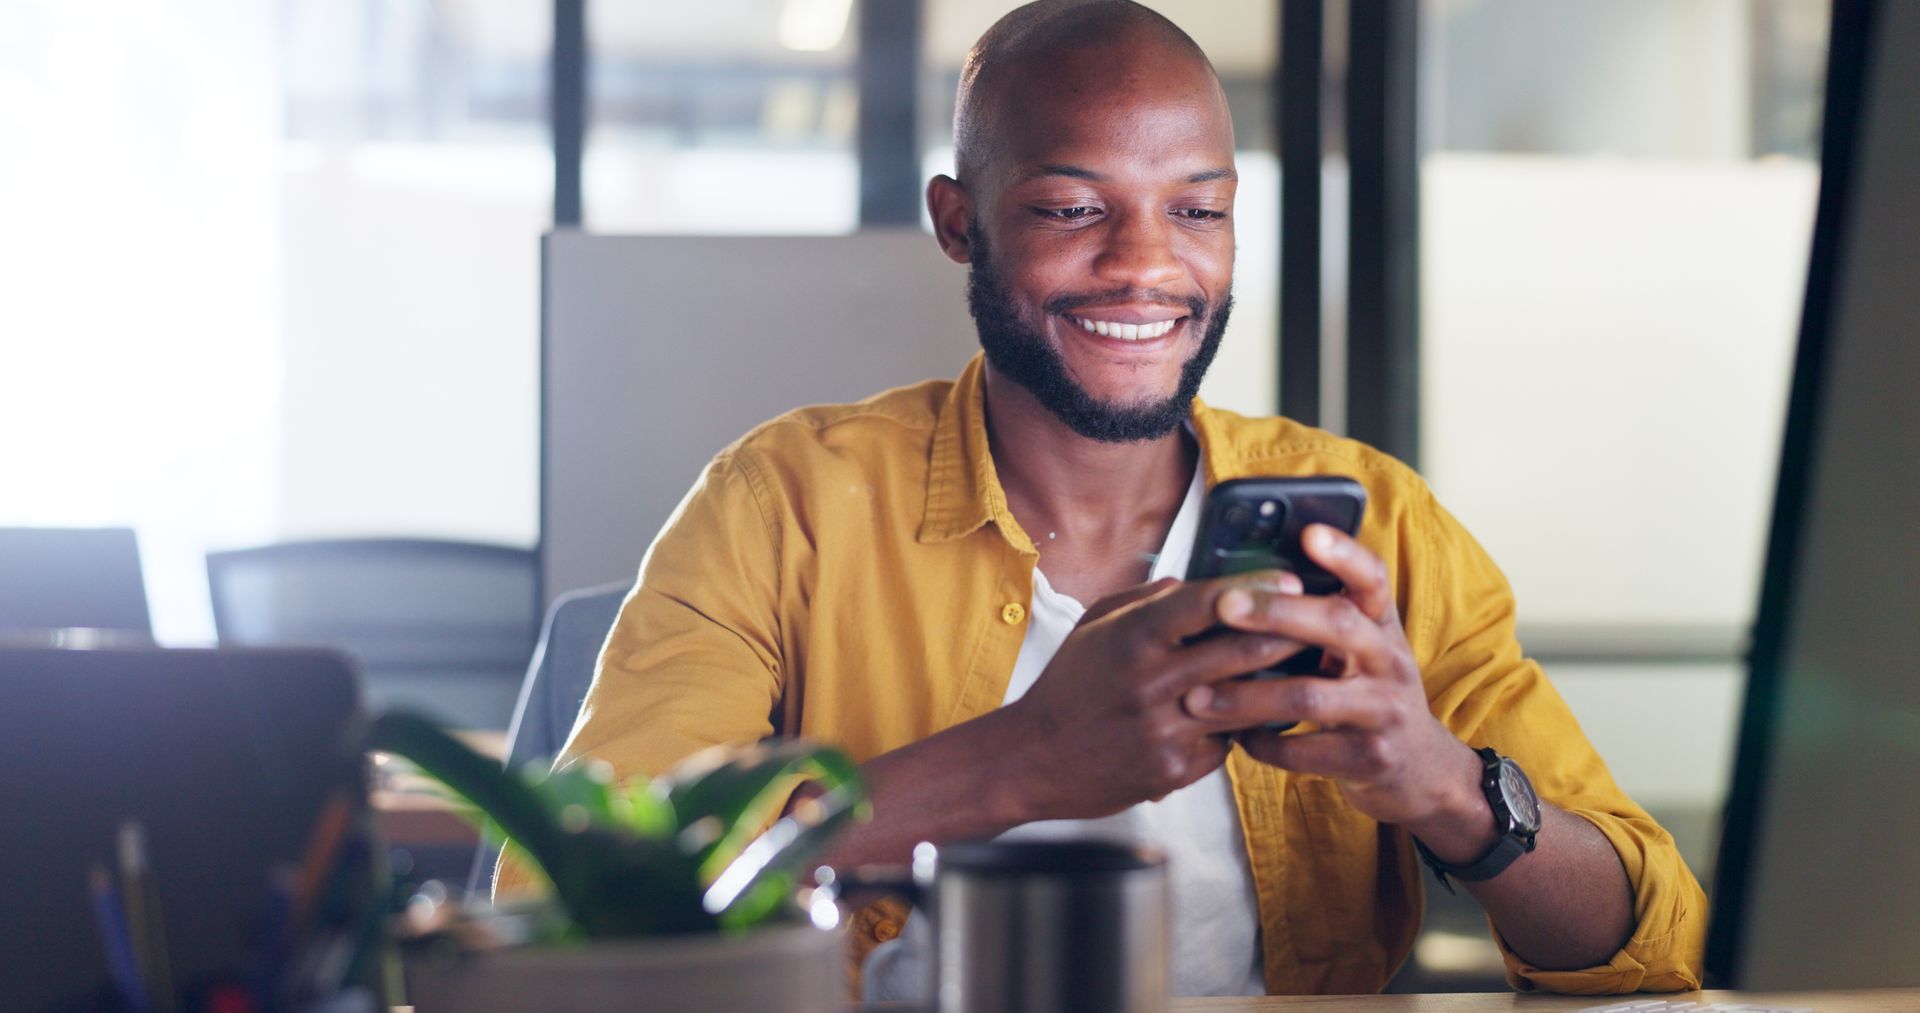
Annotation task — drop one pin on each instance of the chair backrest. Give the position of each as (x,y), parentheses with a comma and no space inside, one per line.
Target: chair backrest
(556,684)
(56,578)
(562,670)
(444,627)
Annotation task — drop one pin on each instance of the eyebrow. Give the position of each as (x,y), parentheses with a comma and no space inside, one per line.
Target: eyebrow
(1071,171)
(1076,172)
(1224,172)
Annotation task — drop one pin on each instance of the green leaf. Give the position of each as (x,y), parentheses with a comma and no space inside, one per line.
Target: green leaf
(777,855)
(639,860)
(723,800)
(610,882)
(770,894)
(577,796)
(648,812)
(509,801)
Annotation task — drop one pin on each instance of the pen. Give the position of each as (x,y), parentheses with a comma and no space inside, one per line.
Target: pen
(113,936)
(324,946)
(322,846)
(144,924)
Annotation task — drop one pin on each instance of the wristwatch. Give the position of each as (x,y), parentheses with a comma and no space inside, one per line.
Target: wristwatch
(1516,817)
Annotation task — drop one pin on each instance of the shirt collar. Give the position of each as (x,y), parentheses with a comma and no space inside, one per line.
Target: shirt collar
(963,489)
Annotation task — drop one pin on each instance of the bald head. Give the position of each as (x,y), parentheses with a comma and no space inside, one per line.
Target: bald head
(1053,45)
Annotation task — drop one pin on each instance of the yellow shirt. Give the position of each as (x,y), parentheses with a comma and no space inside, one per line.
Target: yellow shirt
(852,574)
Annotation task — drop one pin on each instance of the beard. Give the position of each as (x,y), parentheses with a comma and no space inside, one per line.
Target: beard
(1021,353)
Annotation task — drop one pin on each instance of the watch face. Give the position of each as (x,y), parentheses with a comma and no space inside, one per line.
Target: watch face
(1520,797)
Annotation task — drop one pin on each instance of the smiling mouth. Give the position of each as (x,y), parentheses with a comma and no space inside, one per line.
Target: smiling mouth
(1127,332)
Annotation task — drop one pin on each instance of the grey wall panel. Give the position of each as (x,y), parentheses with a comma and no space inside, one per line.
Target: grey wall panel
(659,351)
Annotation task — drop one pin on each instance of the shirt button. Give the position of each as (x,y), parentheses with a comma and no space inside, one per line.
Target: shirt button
(885,931)
(1013,612)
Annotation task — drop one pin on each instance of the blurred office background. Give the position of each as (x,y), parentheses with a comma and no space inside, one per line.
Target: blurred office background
(271,272)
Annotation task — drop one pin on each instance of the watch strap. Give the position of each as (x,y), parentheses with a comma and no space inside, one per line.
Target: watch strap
(1504,852)
(1509,847)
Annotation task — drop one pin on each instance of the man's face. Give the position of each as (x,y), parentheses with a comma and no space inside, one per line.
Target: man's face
(1102,239)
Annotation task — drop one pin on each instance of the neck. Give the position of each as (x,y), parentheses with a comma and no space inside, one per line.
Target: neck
(1063,486)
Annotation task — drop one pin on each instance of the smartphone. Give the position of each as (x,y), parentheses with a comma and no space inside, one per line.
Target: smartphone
(1255,524)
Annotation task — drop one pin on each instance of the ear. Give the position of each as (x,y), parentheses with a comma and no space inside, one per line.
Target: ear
(949,207)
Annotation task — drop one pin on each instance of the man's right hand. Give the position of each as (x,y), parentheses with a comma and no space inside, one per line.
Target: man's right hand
(1104,728)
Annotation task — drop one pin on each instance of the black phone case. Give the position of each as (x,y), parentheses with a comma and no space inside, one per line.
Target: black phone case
(1232,539)
(1221,548)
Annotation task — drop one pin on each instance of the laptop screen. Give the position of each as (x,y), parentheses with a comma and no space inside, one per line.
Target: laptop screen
(224,760)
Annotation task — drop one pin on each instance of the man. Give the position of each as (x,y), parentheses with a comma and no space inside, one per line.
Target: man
(905,577)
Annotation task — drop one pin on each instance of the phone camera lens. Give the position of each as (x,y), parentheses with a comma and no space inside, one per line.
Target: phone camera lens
(1238,520)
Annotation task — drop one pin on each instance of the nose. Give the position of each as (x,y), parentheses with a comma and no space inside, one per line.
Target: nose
(1138,252)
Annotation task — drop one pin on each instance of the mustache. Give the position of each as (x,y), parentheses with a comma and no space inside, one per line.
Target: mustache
(1068,303)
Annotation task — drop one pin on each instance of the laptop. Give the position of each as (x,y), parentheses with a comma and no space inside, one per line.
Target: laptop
(223,760)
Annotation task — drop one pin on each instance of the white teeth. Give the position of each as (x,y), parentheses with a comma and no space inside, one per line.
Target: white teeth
(1127,332)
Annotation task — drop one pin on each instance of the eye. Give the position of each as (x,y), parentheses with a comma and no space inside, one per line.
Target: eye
(1201,214)
(1073,214)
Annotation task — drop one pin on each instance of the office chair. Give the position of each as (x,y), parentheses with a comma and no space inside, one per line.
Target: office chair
(576,628)
(440,627)
(72,578)
(556,684)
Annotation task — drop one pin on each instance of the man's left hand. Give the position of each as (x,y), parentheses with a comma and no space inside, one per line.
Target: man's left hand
(1374,733)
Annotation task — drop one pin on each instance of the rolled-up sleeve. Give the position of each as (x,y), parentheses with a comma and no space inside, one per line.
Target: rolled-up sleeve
(1480,684)
(1669,937)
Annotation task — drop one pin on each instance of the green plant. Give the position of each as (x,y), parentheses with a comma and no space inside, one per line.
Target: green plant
(684,852)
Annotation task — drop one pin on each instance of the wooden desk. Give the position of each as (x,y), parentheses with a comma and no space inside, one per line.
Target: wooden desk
(1886,1000)
(1892,1000)
(413,811)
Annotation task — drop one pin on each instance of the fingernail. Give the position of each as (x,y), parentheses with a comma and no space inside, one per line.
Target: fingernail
(1279,583)
(1324,541)
(1198,699)
(1235,604)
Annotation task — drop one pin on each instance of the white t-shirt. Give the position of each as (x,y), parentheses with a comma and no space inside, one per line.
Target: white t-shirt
(1216,922)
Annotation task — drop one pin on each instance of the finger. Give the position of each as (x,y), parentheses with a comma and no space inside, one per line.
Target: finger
(1365,704)
(1240,595)
(1362,572)
(1192,608)
(1227,654)
(1346,755)
(1205,755)
(1121,599)
(1334,622)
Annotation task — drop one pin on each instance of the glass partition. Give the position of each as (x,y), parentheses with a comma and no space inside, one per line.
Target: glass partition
(1617,203)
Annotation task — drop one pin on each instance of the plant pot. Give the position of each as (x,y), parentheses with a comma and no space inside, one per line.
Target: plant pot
(791,968)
